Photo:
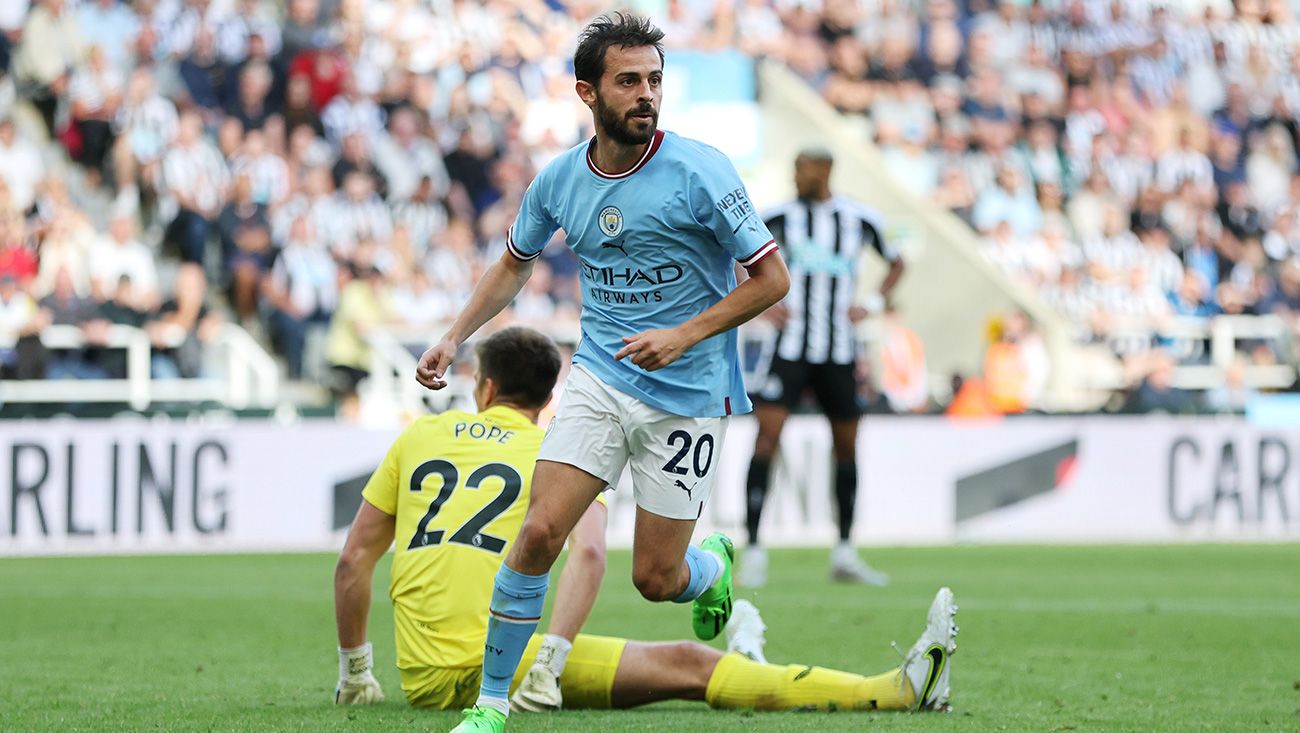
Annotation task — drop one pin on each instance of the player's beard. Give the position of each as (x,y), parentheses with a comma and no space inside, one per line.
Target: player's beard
(621,127)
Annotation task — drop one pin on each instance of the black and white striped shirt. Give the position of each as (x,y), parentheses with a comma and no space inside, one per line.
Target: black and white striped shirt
(197,173)
(423,220)
(148,126)
(1176,167)
(267,173)
(822,243)
(354,221)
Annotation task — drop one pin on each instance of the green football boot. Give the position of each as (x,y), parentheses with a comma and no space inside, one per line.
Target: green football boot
(482,720)
(710,612)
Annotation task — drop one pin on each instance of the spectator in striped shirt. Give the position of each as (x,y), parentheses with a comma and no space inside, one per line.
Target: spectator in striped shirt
(406,156)
(424,215)
(301,291)
(95,93)
(196,178)
(268,174)
(358,214)
(145,126)
(352,111)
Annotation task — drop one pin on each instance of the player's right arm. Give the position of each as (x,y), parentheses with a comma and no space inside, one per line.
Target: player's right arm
(369,538)
(525,241)
(500,284)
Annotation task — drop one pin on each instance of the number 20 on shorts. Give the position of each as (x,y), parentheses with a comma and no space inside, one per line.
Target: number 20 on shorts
(701,459)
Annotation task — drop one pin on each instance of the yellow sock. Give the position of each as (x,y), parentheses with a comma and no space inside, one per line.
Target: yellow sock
(738,682)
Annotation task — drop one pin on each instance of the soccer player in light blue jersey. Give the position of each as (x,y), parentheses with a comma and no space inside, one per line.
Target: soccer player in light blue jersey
(658,222)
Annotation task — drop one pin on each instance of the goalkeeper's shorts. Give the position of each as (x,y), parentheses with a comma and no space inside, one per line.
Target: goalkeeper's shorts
(587,681)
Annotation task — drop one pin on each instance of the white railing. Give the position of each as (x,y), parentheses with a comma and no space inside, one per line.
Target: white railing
(252,375)
(244,374)
(392,389)
(1187,336)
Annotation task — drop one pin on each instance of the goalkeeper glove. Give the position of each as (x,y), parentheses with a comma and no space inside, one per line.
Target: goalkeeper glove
(357,683)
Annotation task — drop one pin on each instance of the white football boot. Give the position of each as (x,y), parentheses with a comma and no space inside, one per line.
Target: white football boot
(926,666)
(753,568)
(847,567)
(539,692)
(745,631)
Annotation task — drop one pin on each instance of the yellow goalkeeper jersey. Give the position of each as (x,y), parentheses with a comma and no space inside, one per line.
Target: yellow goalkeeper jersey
(458,484)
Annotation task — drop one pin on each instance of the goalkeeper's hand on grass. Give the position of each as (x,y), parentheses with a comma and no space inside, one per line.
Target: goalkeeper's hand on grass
(357,683)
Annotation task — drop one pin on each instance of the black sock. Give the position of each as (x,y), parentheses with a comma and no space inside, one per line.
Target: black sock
(756,492)
(846,494)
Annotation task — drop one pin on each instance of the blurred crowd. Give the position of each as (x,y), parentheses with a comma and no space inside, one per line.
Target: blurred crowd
(1133,161)
(310,170)
(317,168)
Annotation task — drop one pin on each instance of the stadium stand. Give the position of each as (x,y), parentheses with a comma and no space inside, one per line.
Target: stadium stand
(191,186)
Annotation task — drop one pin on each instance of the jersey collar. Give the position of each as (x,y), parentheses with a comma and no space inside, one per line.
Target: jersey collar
(650,150)
(507,414)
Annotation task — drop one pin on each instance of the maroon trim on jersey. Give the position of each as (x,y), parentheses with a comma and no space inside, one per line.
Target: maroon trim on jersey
(726,404)
(514,251)
(650,150)
(514,619)
(759,254)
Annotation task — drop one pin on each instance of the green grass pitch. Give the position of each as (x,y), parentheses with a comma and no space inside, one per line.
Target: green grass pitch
(1170,638)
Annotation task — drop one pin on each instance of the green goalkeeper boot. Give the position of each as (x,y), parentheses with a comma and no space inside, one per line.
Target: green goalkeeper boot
(482,720)
(711,611)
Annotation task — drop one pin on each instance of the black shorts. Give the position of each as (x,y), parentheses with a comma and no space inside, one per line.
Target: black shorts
(834,385)
(345,379)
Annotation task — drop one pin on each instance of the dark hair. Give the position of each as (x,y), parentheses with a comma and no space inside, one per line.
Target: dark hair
(621,29)
(524,364)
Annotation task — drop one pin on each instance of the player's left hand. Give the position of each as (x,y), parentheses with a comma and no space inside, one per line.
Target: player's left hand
(357,684)
(654,349)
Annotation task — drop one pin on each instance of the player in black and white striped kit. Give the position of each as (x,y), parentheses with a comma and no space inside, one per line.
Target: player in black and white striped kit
(823,237)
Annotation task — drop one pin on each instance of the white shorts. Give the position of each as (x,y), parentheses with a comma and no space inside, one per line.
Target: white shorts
(674,459)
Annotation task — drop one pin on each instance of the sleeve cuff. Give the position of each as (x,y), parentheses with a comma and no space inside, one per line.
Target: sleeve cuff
(759,254)
(515,251)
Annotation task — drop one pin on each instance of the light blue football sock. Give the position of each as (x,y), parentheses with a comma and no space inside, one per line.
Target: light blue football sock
(517,601)
(705,569)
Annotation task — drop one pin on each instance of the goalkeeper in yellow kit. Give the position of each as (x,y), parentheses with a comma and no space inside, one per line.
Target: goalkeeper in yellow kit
(451,494)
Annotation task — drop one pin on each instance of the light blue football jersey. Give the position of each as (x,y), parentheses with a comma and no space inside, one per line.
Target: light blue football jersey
(657,246)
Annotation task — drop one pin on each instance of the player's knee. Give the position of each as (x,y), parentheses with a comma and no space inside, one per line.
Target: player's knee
(539,540)
(693,655)
(655,585)
(591,553)
(697,661)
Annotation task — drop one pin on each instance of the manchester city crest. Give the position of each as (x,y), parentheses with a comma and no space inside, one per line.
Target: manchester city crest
(611,221)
